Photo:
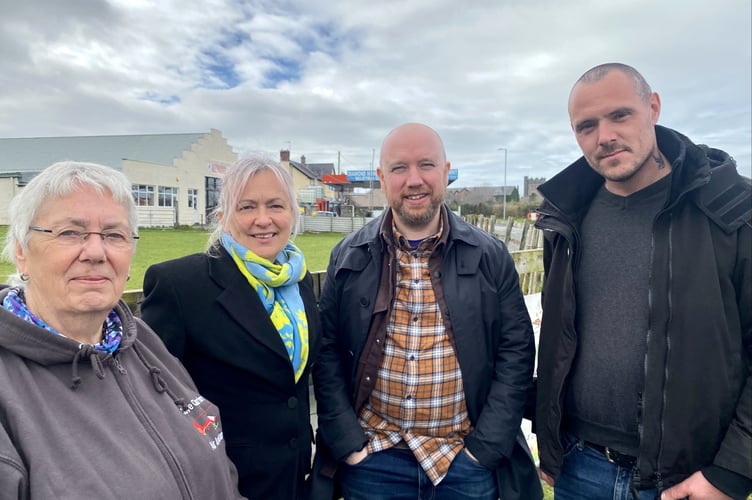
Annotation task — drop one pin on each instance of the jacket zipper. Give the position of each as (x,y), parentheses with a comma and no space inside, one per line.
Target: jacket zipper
(659,460)
(640,417)
(134,403)
(572,264)
(657,475)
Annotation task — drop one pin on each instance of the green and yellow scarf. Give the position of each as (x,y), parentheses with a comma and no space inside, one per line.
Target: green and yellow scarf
(277,286)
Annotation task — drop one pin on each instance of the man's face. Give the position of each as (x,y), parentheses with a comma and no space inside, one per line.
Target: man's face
(414,174)
(614,127)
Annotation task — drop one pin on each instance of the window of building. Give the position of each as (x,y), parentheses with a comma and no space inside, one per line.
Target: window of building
(167,196)
(143,195)
(212,185)
(192,198)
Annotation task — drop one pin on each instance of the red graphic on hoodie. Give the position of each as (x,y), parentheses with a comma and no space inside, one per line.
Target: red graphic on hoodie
(211,421)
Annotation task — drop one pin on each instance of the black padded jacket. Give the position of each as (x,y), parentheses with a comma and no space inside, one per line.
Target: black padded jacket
(696,409)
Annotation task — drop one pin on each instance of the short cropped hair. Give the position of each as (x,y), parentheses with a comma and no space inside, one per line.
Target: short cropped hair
(57,181)
(598,72)
(235,179)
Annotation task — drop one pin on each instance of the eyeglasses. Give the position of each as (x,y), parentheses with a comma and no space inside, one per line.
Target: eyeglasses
(116,240)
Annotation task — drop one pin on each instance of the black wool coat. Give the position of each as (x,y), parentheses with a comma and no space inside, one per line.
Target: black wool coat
(210,317)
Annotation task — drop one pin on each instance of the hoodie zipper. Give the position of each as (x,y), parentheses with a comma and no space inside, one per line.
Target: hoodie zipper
(119,366)
(177,472)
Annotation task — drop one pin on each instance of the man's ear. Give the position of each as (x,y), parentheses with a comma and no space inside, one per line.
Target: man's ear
(655,107)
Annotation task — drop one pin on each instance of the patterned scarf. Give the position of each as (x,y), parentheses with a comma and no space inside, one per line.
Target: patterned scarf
(112,329)
(277,287)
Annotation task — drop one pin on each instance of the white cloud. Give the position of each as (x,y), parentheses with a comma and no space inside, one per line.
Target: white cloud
(336,76)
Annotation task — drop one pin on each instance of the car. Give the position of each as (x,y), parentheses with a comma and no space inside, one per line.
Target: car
(324,213)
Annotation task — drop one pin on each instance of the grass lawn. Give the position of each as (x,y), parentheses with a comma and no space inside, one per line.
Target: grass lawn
(159,245)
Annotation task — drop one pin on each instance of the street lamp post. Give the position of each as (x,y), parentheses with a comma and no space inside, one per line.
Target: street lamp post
(504,187)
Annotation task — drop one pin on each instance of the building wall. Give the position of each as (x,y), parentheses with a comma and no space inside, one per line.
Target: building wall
(8,189)
(299,179)
(531,187)
(207,158)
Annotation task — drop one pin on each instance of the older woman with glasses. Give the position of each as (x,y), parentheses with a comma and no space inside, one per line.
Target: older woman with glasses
(243,319)
(92,405)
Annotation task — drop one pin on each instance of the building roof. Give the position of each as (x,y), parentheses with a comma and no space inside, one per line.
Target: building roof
(335,179)
(303,168)
(33,154)
(478,194)
(375,198)
(321,169)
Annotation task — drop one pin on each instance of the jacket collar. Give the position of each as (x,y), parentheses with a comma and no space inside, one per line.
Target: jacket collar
(239,299)
(571,190)
(453,224)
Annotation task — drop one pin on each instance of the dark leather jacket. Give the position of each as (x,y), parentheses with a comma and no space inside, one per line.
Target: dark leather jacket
(492,334)
(697,401)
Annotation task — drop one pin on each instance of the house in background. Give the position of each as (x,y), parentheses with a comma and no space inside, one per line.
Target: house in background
(482,194)
(313,194)
(175,178)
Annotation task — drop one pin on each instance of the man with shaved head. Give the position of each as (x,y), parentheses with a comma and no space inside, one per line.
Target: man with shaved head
(645,363)
(427,351)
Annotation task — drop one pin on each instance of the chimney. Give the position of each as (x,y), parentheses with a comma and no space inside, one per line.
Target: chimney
(284,155)
(302,159)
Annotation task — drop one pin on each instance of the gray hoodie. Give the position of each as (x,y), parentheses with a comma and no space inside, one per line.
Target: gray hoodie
(76,423)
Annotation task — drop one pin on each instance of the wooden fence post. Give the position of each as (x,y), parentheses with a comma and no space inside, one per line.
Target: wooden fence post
(508,233)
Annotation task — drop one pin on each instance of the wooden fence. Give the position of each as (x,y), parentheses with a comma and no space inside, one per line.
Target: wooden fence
(516,235)
(529,264)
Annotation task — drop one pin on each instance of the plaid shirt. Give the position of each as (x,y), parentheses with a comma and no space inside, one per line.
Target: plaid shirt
(418,395)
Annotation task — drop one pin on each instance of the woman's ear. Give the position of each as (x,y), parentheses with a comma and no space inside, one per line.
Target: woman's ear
(20,256)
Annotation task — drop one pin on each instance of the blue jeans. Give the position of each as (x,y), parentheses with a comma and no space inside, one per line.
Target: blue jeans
(395,474)
(586,474)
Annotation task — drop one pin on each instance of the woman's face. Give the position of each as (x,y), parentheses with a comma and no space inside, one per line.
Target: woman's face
(262,219)
(70,276)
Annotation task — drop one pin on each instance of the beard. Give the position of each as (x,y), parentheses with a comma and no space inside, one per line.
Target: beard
(417,219)
(617,170)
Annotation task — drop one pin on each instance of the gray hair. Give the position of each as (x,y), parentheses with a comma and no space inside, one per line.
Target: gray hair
(56,181)
(599,72)
(233,183)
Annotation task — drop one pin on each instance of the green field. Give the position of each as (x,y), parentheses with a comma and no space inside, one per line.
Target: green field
(158,245)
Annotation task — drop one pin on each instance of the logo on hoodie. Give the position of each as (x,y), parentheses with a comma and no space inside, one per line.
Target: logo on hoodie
(205,420)
(211,420)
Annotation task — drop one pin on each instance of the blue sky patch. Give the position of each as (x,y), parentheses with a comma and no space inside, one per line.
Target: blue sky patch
(167,100)
(218,71)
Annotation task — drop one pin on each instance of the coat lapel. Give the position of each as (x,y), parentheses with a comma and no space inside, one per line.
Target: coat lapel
(243,304)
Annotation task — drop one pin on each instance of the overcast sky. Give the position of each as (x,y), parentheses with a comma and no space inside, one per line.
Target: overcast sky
(323,77)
